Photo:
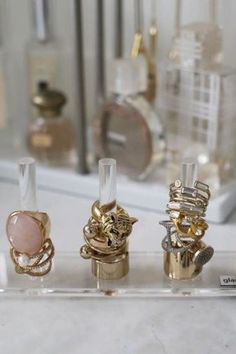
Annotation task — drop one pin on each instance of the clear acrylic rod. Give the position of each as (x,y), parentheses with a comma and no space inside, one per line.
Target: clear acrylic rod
(153,32)
(178,11)
(27,183)
(153,14)
(118,40)
(41,20)
(212,11)
(189,173)
(107,181)
(138,13)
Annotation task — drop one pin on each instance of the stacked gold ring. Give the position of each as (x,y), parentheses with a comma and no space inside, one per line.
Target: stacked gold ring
(186,209)
(183,244)
(106,233)
(37,265)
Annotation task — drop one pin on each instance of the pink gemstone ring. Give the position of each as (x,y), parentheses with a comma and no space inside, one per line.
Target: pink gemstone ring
(31,248)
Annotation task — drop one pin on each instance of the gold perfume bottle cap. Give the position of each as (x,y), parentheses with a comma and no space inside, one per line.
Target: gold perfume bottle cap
(48,101)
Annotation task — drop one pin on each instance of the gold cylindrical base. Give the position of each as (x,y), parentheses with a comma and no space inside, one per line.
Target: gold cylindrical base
(180,266)
(110,271)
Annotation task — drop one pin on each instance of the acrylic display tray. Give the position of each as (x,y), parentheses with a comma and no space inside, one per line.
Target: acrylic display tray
(71,277)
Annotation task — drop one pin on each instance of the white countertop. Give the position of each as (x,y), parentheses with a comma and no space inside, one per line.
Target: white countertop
(118,326)
(113,325)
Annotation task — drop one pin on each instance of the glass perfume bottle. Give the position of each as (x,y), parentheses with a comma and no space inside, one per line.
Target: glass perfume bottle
(197,99)
(127,129)
(197,45)
(199,110)
(107,231)
(42,51)
(28,229)
(51,136)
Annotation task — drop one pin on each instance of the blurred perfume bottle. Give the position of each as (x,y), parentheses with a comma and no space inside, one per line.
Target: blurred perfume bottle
(51,136)
(200,118)
(42,51)
(149,53)
(198,104)
(197,45)
(127,129)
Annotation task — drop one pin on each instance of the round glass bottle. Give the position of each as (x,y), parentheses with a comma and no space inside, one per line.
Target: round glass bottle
(127,129)
(51,135)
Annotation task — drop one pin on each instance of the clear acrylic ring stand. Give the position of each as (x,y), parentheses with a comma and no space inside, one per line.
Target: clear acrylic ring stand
(71,277)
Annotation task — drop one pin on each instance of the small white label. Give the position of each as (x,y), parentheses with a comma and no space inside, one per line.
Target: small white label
(228,280)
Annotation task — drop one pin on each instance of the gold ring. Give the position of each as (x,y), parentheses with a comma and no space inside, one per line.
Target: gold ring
(31,248)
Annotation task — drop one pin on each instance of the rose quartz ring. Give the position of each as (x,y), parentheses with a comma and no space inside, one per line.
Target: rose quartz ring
(32,249)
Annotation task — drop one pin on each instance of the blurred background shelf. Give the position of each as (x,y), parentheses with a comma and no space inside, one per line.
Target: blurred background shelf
(148,196)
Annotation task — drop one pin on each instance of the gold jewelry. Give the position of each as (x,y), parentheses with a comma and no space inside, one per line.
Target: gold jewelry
(37,265)
(184,252)
(32,250)
(106,235)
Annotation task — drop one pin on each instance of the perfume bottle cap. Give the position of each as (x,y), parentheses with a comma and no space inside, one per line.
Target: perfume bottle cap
(48,101)
(123,77)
